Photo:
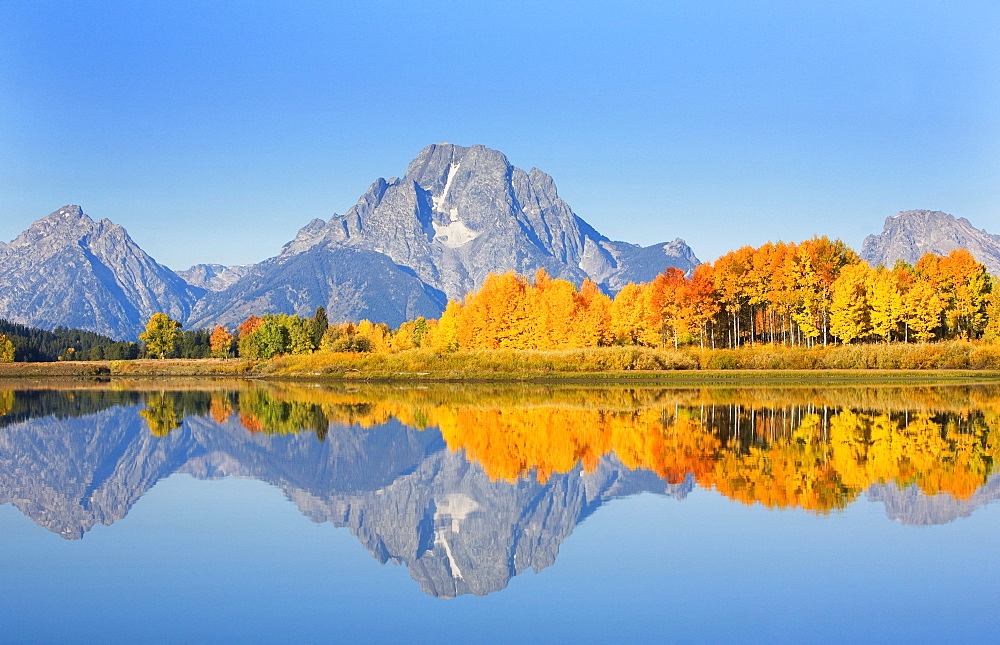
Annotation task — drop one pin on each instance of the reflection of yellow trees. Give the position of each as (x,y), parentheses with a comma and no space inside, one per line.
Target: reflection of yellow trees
(814,466)
(261,412)
(921,450)
(6,402)
(221,407)
(161,415)
(789,471)
(806,447)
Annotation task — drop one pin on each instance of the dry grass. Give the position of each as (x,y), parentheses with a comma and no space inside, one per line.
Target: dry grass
(620,363)
(637,362)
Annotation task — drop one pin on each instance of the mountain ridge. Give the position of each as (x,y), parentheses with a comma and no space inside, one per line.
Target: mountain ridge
(68,270)
(910,234)
(407,246)
(456,204)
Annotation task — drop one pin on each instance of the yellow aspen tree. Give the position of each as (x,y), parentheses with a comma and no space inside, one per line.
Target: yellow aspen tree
(929,269)
(402,339)
(593,321)
(820,261)
(764,277)
(783,297)
(160,335)
(991,331)
(967,286)
(497,315)
(538,310)
(377,333)
(555,310)
(849,309)
(444,335)
(703,298)
(626,315)
(730,276)
(511,318)
(923,309)
(808,294)
(221,342)
(885,303)
(6,349)
(673,306)
(474,332)
(652,315)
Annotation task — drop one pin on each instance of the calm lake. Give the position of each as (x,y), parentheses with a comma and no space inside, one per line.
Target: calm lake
(269,512)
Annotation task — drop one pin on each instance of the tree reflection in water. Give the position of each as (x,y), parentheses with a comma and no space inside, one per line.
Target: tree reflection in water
(469,486)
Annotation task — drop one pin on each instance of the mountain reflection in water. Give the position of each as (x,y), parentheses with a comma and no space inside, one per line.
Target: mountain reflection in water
(470,486)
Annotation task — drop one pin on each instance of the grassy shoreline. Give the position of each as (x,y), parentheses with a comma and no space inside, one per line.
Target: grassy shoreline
(933,362)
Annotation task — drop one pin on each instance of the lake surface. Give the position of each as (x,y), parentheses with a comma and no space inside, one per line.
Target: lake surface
(256,512)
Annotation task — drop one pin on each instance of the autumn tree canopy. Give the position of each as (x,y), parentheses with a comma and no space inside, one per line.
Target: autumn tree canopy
(810,293)
(160,335)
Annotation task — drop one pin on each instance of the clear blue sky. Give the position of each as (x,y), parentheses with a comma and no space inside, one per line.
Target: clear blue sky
(214,130)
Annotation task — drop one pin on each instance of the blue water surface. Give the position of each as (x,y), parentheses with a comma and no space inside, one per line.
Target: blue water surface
(223,557)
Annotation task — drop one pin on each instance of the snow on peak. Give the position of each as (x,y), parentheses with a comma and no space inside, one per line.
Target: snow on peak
(455,233)
(439,201)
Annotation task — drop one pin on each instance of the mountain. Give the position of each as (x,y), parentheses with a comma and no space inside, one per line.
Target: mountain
(911,234)
(460,213)
(68,270)
(456,215)
(350,283)
(214,277)
(407,246)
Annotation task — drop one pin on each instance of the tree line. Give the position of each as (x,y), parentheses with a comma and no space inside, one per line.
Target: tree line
(814,292)
(22,343)
(28,344)
(793,294)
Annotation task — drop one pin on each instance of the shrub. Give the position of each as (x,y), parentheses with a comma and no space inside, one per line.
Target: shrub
(987,357)
(722,359)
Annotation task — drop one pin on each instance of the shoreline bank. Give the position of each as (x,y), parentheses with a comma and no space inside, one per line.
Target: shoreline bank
(337,371)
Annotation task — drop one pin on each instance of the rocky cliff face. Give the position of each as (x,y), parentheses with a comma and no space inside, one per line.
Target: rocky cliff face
(214,277)
(460,213)
(66,269)
(911,234)
(411,243)
(407,246)
(351,284)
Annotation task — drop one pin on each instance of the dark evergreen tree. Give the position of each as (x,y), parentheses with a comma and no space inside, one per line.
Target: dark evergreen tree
(318,324)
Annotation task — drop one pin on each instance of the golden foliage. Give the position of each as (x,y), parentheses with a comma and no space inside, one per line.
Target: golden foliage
(815,448)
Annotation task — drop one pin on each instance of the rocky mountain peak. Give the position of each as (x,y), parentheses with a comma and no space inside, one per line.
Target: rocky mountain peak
(910,234)
(66,269)
(68,222)
(459,213)
(307,237)
(214,277)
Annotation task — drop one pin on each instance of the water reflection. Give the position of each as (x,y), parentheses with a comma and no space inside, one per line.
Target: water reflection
(468,487)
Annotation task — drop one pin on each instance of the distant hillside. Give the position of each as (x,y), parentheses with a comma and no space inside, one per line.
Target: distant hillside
(911,234)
